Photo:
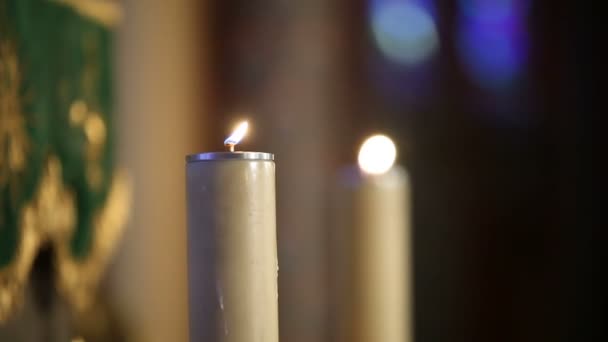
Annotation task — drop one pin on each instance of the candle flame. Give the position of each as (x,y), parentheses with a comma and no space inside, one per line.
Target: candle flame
(237,135)
(377,154)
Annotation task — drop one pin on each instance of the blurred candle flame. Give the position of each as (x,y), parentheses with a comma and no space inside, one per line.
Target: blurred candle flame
(237,135)
(377,154)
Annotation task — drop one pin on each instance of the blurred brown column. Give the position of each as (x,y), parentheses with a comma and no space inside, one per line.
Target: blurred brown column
(159,60)
(277,64)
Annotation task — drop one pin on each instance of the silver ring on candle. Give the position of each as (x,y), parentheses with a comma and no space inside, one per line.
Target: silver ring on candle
(239,155)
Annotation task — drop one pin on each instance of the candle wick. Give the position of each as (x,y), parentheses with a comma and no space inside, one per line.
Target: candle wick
(230,147)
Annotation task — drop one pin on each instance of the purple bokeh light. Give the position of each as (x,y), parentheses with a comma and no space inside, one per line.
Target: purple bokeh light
(492,41)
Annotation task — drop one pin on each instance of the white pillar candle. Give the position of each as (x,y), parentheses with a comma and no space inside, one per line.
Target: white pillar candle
(232,248)
(370,249)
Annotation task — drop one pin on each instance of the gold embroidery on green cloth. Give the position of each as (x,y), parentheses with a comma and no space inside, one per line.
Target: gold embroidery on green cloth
(13,137)
(58,181)
(94,130)
(51,217)
(14,145)
(51,213)
(105,12)
(78,112)
(92,122)
(14,276)
(78,280)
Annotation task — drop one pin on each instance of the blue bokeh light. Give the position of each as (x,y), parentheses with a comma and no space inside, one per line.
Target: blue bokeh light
(403,31)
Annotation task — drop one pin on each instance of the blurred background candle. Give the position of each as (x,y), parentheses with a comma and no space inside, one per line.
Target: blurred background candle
(232,246)
(370,249)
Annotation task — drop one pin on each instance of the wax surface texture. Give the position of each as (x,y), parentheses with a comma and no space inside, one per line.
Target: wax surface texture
(232,251)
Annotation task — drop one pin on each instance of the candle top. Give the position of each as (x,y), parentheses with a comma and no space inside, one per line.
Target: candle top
(240,155)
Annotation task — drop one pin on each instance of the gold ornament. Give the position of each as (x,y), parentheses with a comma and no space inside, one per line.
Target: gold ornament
(77,280)
(51,218)
(50,213)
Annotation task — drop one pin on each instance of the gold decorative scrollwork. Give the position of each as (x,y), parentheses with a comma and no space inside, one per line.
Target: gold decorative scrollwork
(51,217)
(51,213)
(77,280)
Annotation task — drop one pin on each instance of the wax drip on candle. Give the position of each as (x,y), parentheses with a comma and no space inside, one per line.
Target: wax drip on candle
(377,154)
(236,136)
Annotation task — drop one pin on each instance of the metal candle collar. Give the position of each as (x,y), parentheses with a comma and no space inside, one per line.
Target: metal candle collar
(240,155)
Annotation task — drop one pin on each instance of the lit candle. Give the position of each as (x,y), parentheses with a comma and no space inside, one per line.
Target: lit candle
(232,248)
(371,254)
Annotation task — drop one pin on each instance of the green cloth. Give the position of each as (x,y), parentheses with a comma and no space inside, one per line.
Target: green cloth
(52,57)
